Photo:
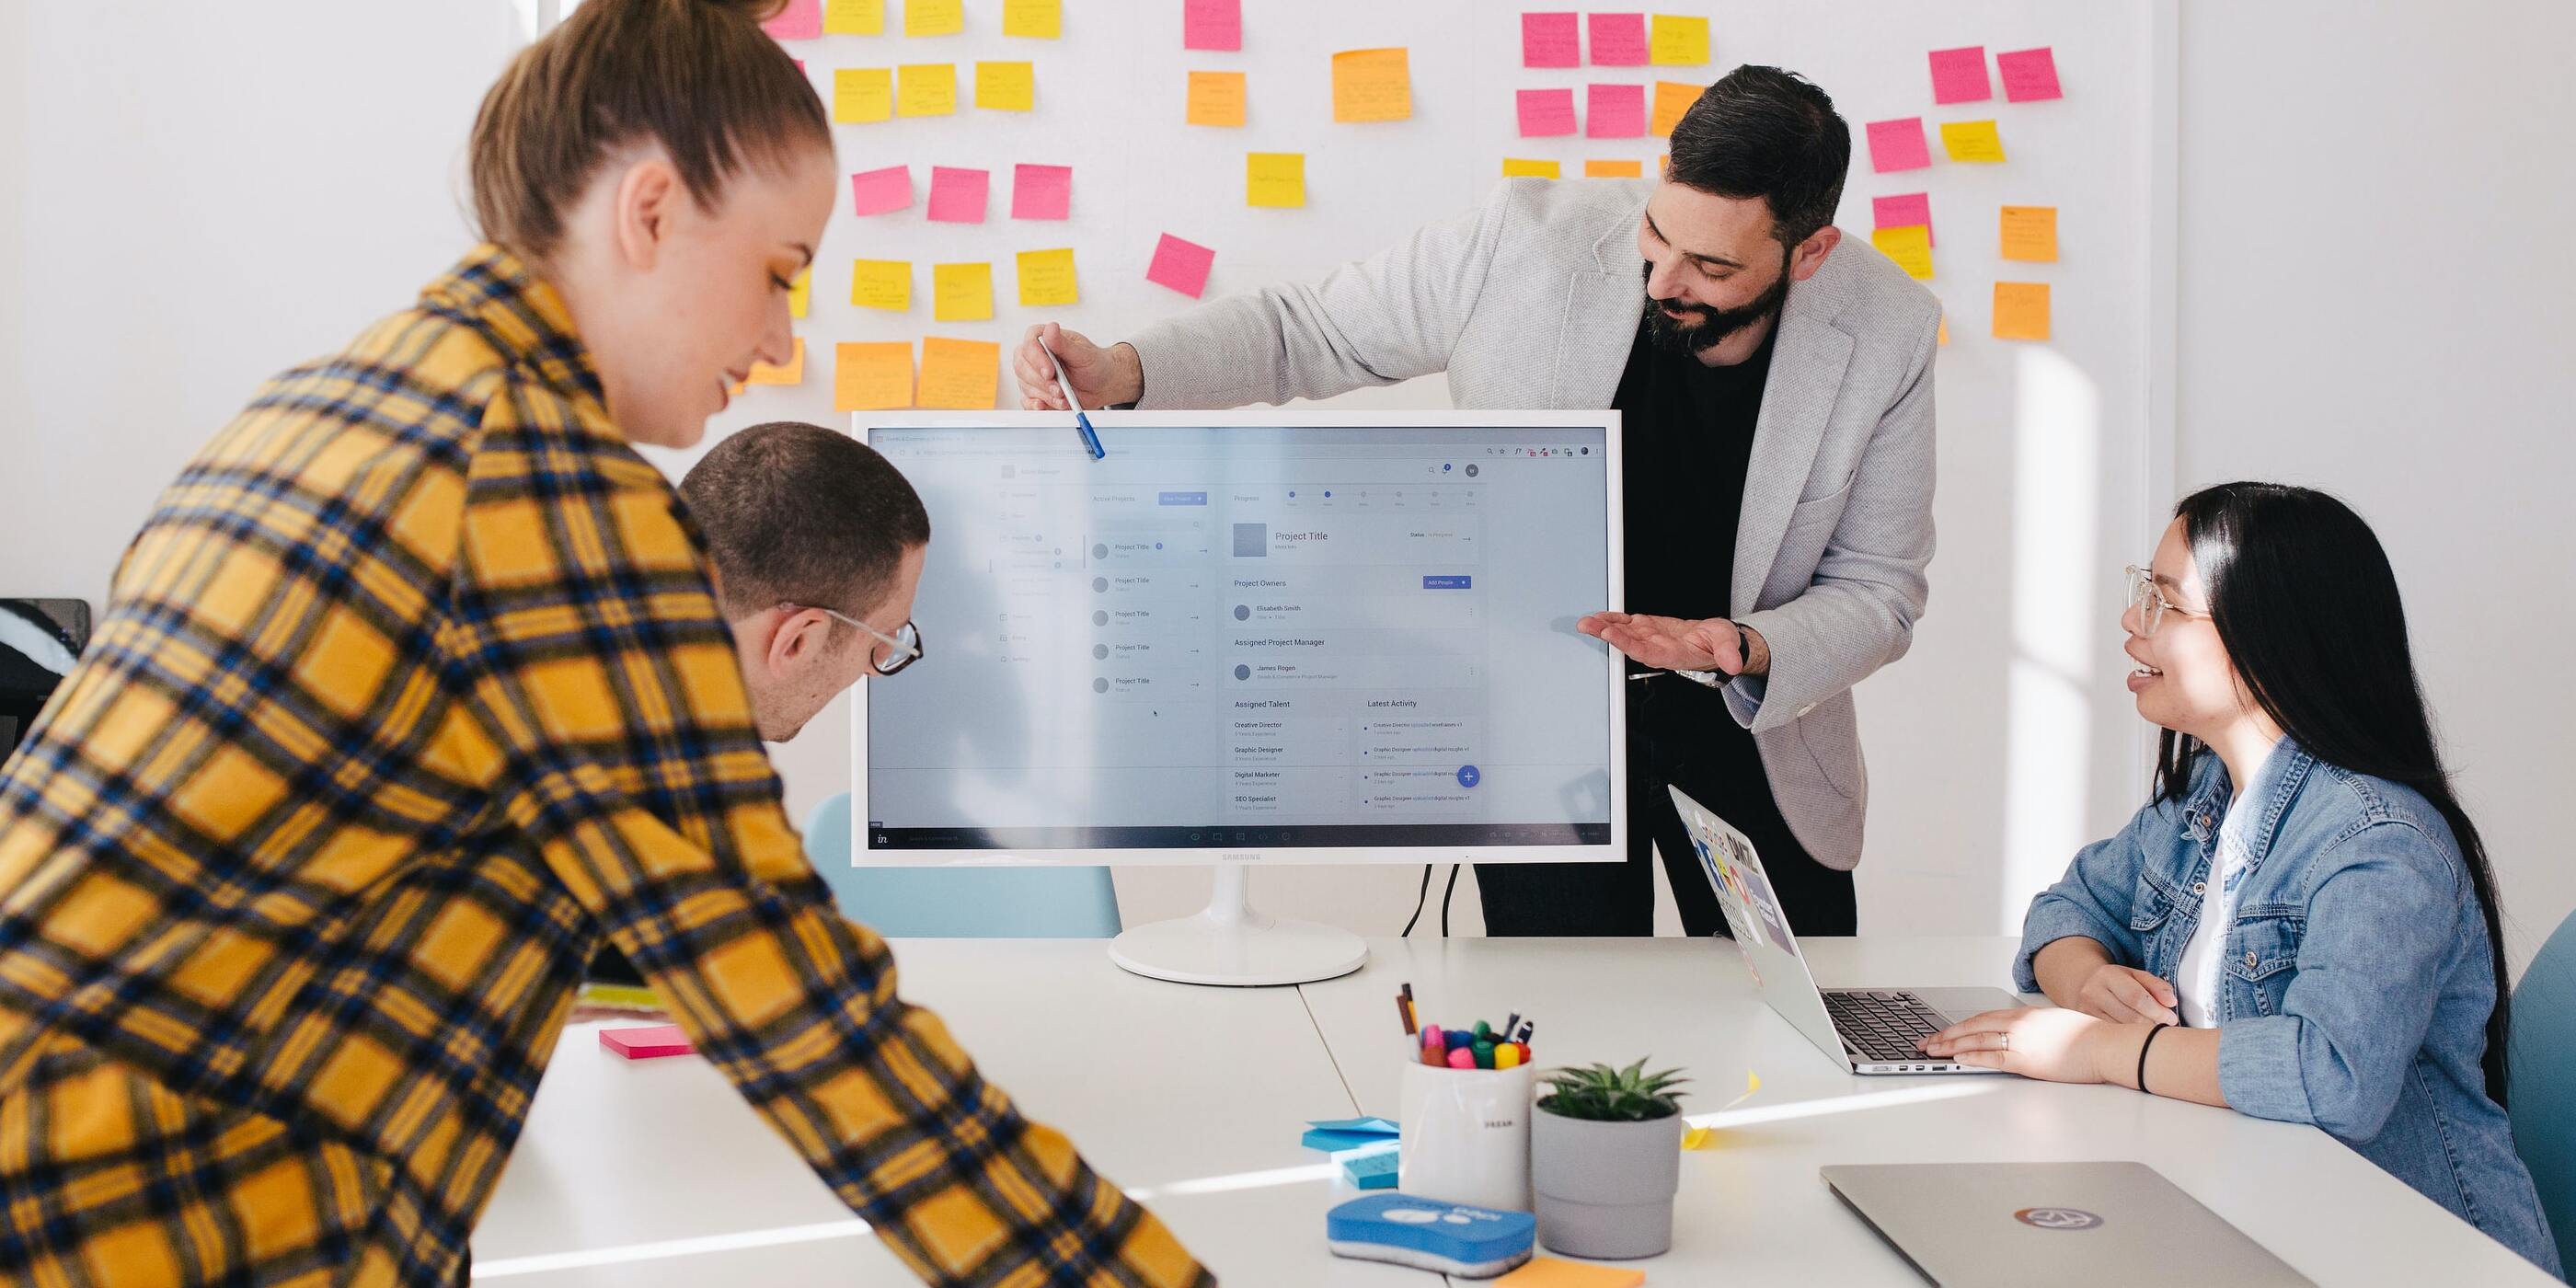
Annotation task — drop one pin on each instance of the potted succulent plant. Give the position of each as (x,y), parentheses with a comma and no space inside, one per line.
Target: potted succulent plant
(1605,1160)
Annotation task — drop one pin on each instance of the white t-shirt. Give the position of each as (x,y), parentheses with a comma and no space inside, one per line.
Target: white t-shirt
(2203,970)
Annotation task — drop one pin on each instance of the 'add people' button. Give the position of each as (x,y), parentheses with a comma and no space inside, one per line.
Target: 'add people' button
(1468,777)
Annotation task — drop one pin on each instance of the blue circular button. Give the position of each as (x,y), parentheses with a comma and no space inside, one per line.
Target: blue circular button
(1468,777)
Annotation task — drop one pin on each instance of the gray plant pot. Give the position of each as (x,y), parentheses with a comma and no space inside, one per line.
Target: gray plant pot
(1605,1190)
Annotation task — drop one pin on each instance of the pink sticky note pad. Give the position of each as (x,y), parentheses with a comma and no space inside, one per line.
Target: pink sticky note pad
(1550,40)
(1181,265)
(957,196)
(1959,75)
(651,1042)
(874,192)
(1614,112)
(1212,24)
(800,20)
(1546,112)
(1898,145)
(1618,39)
(1903,210)
(2029,74)
(1042,192)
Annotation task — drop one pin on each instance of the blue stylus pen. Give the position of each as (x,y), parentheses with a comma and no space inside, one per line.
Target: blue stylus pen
(1090,440)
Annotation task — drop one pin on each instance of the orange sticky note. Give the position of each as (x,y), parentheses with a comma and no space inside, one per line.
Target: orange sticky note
(1526,168)
(1910,245)
(862,94)
(1216,98)
(1679,42)
(1972,141)
(933,17)
(854,17)
(800,294)
(871,376)
(1372,85)
(1614,169)
(925,89)
(2021,310)
(1006,87)
(1038,19)
(2030,234)
(1046,278)
(1275,180)
(960,375)
(1943,336)
(1548,1272)
(792,374)
(881,284)
(1672,98)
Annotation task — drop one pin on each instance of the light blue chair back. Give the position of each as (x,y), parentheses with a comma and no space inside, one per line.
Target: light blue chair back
(2542,1081)
(959,903)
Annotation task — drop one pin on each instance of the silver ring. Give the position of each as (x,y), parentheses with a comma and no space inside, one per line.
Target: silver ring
(2007,1041)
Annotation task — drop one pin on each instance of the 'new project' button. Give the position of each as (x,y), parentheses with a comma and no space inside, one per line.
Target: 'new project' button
(1459,581)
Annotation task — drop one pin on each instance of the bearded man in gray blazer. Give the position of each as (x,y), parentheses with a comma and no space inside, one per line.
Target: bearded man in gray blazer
(1775,384)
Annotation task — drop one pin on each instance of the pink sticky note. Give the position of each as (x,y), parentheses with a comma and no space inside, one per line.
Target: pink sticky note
(1042,192)
(1212,24)
(800,20)
(1618,39)
(1959,75)
(1550,40)
(1614,112)
(647,1043)
(874,192)
(1546,112)
(1903,210)
(1181,265)
(957,196)
(2029,74)
(1898,145)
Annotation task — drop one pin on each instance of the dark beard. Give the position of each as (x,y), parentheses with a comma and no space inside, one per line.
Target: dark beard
(1713,326)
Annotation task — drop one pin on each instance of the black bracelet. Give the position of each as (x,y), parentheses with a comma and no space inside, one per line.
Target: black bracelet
(2142,1054)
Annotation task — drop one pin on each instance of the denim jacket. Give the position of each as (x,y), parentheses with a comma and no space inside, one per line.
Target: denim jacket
(2358,980)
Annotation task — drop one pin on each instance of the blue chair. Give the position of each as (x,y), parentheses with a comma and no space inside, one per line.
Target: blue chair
(959,903)
(2543,1085)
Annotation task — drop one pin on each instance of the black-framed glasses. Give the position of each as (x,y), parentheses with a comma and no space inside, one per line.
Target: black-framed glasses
(893,652)
(2149,599)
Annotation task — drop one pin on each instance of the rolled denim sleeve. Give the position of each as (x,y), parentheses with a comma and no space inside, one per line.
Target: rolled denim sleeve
(2370,968)
(2092,899)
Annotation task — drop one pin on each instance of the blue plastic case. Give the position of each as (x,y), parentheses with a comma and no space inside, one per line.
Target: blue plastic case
(1470,1242)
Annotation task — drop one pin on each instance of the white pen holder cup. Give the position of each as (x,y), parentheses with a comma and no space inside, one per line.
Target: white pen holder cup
(1465,1136)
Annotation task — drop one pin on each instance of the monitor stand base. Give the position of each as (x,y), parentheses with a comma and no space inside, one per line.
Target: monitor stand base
(1232,945)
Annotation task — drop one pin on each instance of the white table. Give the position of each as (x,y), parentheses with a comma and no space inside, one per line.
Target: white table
(1194,1097)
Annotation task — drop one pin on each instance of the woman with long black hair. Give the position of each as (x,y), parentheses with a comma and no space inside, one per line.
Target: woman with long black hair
(2301,924)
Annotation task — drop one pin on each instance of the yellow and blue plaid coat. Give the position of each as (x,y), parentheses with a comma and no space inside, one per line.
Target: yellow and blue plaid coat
(412,687)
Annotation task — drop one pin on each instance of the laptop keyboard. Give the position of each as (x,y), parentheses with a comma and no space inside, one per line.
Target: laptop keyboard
(1883,1023)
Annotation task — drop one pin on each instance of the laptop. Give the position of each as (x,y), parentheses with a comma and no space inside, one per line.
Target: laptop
(2044,1225)
(1871,1030)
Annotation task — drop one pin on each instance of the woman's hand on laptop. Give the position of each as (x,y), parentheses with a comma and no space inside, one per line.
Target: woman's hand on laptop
(2044,1042)
(2126,995)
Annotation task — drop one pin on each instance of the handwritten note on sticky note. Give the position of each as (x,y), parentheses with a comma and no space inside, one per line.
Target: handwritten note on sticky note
(1546,113)
(1614,111)
(1898,145)
(933,17)
(881,284)
(2029,74)
(1046,278)
(1672,99)
(1372,85)
(792,374)
(872,376)
(1035,19)
(1614,169)
(1042,192)
(854,17)
(1275,180)
(961,292)
(1548,1272)
(957,196)
(1618,39)
(1212,24)
(800,294)
(1006,87)
(2021,310)
(861,94)
(1972,141)
(1959,75)
(1216,98)
(1910,246)
(1679,41)
(960,375)
(1551,40)
(925,89)
(1527,168)
(2030,234)
(1181,265)
(875,192)
(800,20)
(1903,209)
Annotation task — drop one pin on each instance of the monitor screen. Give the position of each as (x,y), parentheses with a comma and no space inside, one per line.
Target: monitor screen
(1305,637)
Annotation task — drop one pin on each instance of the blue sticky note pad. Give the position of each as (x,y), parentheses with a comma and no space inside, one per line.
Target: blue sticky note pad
(1451,1238)
(1367,1126)
(1329,1141)
(1369,1169)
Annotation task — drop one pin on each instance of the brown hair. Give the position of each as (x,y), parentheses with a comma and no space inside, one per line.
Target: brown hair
(800,514)
(697,76)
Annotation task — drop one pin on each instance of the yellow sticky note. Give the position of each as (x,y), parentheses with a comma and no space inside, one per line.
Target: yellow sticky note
(1525,168)
(1216,98)
(854,17)
(862,94)
(1699,1138)
(881,284)
(1046,278)
(1672,98)
(1944,336)
(1910,246)
(2021,310)
(2030,234)
(1039,19)
(1006,87)
(871,376)
(1274,179)
(1372,85)
(1679,42)
(792,374)
(961,292)
(925,89)
(1548,1272)
(1614,169)
(800,294)
(934,17)
(1972,141)
(960,375)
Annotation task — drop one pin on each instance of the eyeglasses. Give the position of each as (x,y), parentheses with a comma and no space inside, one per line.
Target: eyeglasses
(896,651)
(2149,599)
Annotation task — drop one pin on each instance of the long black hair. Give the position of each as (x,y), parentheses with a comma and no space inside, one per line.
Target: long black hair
(2307,607)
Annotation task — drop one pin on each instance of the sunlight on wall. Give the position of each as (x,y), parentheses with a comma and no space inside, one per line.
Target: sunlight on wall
(2057,621)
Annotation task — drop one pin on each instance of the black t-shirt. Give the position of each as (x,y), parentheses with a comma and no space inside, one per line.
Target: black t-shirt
(1689,432)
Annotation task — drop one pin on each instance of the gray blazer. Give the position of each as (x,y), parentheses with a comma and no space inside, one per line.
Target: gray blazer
(1533,301)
